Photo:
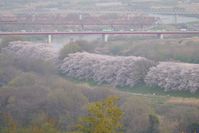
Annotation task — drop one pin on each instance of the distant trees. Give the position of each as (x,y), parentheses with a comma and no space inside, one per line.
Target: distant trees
(77,46)
(178,49)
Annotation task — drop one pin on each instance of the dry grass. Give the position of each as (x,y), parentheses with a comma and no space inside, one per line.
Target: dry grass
(184,101)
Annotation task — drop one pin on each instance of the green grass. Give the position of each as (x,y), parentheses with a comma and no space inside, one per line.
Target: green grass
(139,89)
(144,89)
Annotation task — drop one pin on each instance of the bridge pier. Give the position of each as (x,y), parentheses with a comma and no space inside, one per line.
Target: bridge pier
(175,19)
(49,39)
(105,37)
(82,27)
(160,36)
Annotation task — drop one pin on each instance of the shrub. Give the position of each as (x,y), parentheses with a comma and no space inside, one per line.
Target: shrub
(68,49)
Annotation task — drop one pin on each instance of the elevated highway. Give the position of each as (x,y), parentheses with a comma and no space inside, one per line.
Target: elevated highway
(104,34)
(101,32)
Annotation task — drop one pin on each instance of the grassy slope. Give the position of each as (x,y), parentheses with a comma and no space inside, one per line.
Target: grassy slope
(168,99)
(138,90)
(143,89)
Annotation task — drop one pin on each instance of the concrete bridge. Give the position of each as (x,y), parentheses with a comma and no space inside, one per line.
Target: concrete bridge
(105,35)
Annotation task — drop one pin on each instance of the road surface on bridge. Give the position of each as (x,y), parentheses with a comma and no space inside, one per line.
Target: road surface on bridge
(103,33)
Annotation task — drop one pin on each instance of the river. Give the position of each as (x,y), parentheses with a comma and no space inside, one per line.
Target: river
(170,19)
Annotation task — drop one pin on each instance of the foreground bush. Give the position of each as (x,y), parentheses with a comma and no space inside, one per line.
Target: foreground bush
(28,95)
(103,117)
(174,76)
(11,126)
(117,70)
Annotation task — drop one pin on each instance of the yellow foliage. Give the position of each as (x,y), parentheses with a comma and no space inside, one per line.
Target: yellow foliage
(103,117)
(12,127)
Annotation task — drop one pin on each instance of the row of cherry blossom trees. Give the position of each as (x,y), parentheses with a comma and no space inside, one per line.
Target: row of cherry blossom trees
(174,76)
(130,71)
(115,70)
(21,49)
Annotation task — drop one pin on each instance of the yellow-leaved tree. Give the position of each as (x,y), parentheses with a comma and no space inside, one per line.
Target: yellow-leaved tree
(103,117)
